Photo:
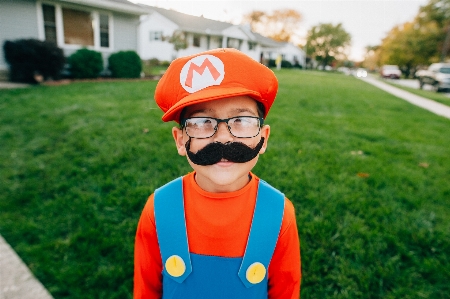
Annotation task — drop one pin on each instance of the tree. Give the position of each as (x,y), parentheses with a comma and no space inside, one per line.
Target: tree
(178,40)
(326,42)
(371,58)
(437,13)
(281,25)
(410,45)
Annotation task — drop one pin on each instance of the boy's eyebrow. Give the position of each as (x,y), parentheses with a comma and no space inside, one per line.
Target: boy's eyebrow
(240,110)
(236,110)
(200,111)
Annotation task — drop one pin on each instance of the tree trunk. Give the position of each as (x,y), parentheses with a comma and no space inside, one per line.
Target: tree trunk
(446,44)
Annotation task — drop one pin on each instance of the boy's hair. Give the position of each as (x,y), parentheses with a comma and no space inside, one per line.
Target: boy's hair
(259,106)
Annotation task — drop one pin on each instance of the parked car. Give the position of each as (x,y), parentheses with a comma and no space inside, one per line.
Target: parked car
(361,73)
(390,71)
(437,75)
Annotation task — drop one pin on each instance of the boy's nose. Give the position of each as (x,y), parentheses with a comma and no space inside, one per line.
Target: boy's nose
(222,134)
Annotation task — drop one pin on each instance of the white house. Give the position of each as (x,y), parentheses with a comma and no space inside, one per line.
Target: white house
(106,26)
(204,34)
(109,26)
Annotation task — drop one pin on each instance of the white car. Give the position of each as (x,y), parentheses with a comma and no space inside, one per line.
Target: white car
(437,75)
(390,71)
(361,73)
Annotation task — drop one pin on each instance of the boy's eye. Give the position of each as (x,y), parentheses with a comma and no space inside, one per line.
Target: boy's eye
(195,122)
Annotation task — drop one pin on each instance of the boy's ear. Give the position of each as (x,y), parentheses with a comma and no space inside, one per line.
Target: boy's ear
(177,134)
(265,132)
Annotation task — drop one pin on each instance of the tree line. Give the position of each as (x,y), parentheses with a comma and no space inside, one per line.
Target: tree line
(411,45)
(325,42)
(415,44)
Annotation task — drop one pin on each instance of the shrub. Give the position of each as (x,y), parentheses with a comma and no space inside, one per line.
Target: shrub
(165,63)
(125,64)
(286,64)
(271,63)
(153,61)
(32,60)
(86,63)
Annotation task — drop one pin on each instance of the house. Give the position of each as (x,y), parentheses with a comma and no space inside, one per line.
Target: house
(270,49)
(203,34)
(105,26)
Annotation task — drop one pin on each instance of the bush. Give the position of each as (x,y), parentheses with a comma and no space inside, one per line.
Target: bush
(125,64)
(271,63)
(153,61)
(165,63)
(86,63)
(284,63)
(32,60)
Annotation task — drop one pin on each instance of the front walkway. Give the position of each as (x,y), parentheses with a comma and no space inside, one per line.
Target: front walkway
(16,280)
(10,85)
(435,107)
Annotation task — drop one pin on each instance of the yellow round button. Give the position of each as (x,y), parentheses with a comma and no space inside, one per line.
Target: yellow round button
(256,273)
(175,266)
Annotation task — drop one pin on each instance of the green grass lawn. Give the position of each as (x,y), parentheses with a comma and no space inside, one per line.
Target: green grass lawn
(368,174)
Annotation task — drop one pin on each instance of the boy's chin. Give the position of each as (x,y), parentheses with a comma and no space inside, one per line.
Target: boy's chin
(223,176)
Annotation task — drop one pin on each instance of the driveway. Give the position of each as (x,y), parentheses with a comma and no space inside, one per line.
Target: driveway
(412,83)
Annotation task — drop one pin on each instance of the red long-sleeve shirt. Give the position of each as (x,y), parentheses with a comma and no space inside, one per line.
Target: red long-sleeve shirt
(218,224)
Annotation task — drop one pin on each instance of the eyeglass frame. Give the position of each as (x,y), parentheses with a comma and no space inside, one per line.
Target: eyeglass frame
(222,120)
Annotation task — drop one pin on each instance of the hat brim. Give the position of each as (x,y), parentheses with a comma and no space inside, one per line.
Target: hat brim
(209,94)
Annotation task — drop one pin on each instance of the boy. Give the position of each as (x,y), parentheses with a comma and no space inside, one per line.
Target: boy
(220,231)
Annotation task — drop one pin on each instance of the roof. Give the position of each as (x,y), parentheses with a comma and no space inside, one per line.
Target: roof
(191,23)
(114,5)
(267,42)
(203,25)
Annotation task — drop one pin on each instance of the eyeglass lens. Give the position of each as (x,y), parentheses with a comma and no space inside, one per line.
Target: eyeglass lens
(205,127)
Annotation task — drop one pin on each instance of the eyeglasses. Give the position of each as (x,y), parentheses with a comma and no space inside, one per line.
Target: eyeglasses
(239,126)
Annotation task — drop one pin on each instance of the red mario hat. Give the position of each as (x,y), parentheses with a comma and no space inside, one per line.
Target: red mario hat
(213,75)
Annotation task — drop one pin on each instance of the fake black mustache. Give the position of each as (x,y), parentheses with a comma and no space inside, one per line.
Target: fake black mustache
(232,151)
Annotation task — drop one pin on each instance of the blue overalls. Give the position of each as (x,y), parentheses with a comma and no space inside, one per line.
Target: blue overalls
(187,275)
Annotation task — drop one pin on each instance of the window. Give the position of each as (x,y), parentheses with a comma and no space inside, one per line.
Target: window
(78,29)
(234,43)
(251,45)
(49,23)
(104,31)
(72,28)
(196,41)
(156,35)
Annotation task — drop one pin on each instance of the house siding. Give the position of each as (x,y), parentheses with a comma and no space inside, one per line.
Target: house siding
(125,32)
(18,19)
(161,50)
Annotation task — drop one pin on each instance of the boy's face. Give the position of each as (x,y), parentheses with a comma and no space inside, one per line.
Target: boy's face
(224,176)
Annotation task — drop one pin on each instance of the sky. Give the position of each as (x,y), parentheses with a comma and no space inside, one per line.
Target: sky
(367,21)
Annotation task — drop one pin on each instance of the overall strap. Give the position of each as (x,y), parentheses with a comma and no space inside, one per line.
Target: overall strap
(171,230)
(264,231)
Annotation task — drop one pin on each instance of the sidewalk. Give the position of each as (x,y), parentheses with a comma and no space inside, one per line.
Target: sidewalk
(16,280)
(10,85)
(435,107)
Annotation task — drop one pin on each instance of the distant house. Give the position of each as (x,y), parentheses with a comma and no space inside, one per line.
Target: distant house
(203,34)
(106,26)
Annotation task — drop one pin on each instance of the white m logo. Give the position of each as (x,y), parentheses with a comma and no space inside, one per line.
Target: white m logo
(201,72)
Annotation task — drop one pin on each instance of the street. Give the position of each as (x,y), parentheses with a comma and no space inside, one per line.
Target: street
(412,83)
